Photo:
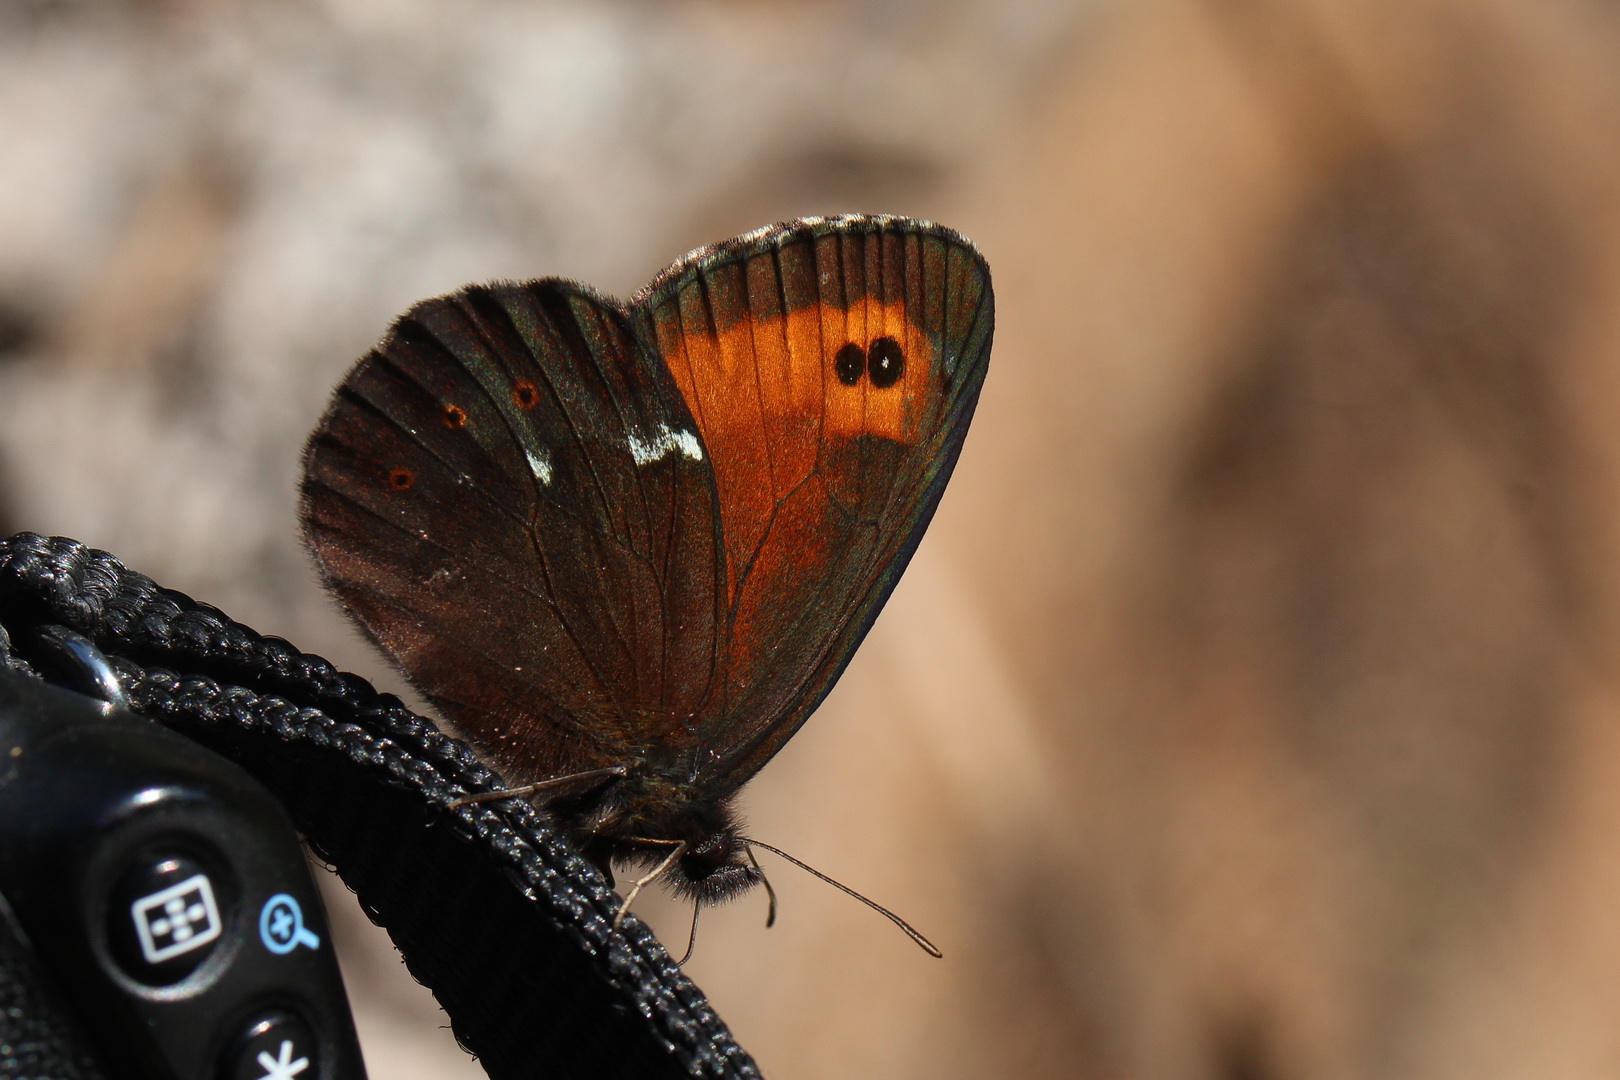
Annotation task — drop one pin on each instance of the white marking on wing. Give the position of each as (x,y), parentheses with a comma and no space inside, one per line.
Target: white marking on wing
(539,464)
(661,445)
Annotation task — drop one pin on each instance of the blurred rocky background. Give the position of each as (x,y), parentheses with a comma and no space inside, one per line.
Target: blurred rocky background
(1249,713)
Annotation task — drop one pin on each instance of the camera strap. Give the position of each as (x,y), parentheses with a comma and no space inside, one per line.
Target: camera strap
(505,923)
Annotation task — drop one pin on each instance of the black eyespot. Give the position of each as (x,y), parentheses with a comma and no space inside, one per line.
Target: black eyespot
(885,362)
(850,363)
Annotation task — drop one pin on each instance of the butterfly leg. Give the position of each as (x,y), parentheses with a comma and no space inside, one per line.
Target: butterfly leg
(691,939)
(770,918)
(569,784)
(646,879)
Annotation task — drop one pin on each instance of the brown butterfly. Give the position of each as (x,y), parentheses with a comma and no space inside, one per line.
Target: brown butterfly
(626,549)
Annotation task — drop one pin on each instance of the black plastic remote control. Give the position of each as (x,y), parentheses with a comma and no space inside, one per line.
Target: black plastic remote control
(163,893)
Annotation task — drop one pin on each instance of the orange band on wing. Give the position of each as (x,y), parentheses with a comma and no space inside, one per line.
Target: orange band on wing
(775,407)
(776,378)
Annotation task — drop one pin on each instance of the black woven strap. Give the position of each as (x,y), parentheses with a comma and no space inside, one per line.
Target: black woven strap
(509,927)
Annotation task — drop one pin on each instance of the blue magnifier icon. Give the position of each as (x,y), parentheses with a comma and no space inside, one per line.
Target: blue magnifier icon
(281,926)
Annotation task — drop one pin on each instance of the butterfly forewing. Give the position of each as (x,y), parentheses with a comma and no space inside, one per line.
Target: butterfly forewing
(827,476)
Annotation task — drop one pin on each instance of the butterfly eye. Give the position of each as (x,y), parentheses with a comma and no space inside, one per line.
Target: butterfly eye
(525,394)
(885,362)
(401,479)
(455,416)
(850,363)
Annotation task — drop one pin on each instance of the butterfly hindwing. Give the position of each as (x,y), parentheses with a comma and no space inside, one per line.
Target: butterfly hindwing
(510,496)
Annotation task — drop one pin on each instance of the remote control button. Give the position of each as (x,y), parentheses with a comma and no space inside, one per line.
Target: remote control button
(166,917)
(276,1046)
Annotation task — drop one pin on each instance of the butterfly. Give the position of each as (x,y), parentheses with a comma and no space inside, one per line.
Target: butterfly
(626,549)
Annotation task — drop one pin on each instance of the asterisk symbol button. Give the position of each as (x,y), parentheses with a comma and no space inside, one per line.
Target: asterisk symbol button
(284,1067)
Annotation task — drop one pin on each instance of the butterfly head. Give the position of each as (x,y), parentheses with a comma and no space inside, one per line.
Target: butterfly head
(716,869)
(641,819)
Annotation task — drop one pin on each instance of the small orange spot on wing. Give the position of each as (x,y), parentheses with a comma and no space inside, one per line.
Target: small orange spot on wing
(455,416)
(525,395)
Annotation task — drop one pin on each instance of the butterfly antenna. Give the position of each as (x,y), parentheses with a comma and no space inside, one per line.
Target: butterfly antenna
(770,919)
(927,946)
(569,781)
(646,879)
(691,939)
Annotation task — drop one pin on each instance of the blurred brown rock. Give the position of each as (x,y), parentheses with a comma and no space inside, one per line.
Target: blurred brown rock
(1291,509)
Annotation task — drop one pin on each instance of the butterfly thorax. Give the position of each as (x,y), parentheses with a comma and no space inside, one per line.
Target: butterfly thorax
(640,819)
